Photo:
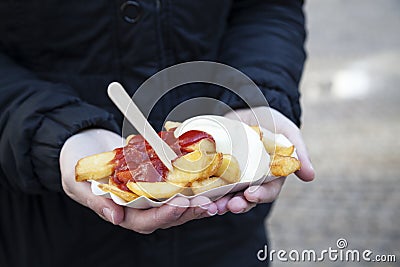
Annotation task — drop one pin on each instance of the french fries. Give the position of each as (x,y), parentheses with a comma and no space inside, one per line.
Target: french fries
(198,171)
(95,167)
(280,150)
(171,124)
(202,185)
(257,130)
(125,195)
(229,169)
(129,138)
(277,144)
(193,166)
(204,145)
(284,165)
(156,190)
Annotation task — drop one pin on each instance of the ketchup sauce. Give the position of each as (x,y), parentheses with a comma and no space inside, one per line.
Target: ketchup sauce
(138,162)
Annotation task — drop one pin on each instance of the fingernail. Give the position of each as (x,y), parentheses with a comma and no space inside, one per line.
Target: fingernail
(313,170)
(252,191)
(109,215)
(212,213)
(205,206)
(238,212)
(311,164)
(212,210)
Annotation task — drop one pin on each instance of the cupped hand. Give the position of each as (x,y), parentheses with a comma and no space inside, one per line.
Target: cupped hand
(178,211)
(267,117)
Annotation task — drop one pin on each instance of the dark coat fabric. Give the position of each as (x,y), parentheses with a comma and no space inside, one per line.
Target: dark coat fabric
(56,60)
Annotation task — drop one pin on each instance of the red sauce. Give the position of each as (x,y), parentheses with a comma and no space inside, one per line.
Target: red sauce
(191,137)
(138,162)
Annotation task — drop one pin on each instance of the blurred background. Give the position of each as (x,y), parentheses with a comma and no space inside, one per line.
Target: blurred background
(351,124)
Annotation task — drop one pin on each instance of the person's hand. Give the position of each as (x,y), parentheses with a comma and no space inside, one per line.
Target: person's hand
(178,211)
(268,192)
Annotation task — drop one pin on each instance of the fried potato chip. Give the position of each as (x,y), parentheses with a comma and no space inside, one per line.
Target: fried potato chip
(155,190)
(194,166)
(171,124)
(125,195)
(200,186)
(95,167)
(229,169)
(277,144)
(205,145)
(257,130)
(111,182)
(284,165)
(195,161)
(129,138)
(278,150)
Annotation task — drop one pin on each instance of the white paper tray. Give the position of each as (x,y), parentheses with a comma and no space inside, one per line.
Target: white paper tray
(146,203)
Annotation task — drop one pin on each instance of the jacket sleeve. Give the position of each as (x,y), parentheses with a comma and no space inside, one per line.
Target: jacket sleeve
(36,117)
(265,40)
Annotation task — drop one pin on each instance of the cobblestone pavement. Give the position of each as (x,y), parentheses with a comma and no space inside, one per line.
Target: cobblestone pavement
(351,102)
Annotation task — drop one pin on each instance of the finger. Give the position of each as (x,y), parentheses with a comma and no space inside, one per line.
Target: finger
(238,204)
(264,193)
(104,207)
(222,204)
(205,204)
(147,221)
(200,207)
(292,132)
(306,172)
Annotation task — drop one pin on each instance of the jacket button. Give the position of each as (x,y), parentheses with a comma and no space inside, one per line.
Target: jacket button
(131,11)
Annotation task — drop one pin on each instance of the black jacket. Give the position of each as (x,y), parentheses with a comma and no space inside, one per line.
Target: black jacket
(56,60)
